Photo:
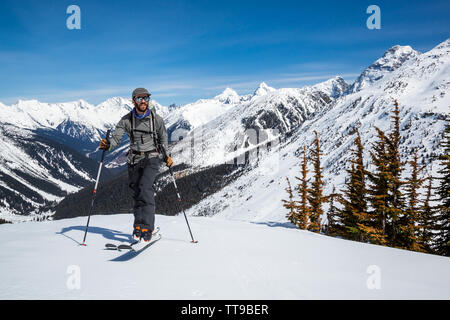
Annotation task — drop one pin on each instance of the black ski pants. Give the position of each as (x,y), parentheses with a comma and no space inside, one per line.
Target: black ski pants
(141,177)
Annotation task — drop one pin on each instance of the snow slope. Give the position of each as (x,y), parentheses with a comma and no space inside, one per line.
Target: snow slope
(233,260)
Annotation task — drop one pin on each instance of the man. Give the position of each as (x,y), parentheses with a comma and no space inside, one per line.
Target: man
(148,135)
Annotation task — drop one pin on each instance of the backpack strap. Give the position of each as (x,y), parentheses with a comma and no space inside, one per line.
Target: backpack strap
(153,132)
(133,127)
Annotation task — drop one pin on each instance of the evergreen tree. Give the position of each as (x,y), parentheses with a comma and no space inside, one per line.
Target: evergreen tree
(365,222)
(395,200)
(303,209)
(426,219)
(351,195)
(386,195)
(408,227)
(378,188)
(316,197)
(442,244)
(2,221)
(290,204)
(348,228)
(331,228)
(358,223)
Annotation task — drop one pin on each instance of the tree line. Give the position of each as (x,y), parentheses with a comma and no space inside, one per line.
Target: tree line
(114,195)
(377,206)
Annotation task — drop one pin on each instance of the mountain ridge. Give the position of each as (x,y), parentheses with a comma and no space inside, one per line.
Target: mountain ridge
(420,82)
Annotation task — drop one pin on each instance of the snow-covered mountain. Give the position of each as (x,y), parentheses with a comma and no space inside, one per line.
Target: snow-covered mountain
(232,260)
(393,59)
(334,87)
(182,120)
(77,119)
(36,171)
(43,150)
(225,127)
(263,89)
(420,84)
(268,114)
(79,126)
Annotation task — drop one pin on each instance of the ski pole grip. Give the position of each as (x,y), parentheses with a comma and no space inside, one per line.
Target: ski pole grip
(107,139)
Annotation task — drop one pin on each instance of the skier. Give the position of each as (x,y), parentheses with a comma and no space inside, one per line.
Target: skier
(147,134)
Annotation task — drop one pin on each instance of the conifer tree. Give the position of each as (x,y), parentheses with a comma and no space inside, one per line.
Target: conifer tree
(426,219)
(331,228)
(358,223)
(348,228)
(316,197)
(386,194)
(366,223)
(395,200)
(303,209)
(442,244)
(378,187)
(351,194)
(408,223)
(290,204)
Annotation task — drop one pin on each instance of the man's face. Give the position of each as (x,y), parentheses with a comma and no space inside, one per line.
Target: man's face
(140,104)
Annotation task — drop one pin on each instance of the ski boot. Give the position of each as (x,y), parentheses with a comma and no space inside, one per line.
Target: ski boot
(137,232)
(146,234)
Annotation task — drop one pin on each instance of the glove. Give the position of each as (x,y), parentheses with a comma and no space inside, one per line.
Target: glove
(104,144)
(169,161)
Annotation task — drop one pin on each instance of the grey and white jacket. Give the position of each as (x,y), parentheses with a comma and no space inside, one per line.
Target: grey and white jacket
(141,138)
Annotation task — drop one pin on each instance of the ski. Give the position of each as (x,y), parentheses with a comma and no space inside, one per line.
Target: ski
(136,250)
(140,245)
(112,246)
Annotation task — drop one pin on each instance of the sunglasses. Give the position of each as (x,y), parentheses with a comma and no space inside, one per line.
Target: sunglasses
(139,99)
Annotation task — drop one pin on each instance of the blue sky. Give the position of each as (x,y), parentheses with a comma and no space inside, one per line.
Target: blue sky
(186,50)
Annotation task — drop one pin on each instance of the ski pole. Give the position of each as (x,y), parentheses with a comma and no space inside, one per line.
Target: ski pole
(95,189)
(179,200)
(163,150)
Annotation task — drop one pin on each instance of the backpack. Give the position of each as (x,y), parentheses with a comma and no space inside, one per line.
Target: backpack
(152,132)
